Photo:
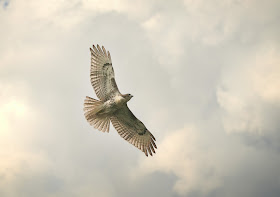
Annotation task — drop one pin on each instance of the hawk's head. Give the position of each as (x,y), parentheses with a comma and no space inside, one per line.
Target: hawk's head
(127,97)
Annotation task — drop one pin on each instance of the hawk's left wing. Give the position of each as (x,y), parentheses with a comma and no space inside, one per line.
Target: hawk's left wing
(133,130)
(102,74)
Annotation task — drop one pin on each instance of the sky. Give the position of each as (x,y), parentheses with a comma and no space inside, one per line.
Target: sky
(205,76)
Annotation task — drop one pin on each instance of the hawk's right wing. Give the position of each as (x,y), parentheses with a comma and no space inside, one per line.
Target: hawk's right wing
(102,74)
(133,130)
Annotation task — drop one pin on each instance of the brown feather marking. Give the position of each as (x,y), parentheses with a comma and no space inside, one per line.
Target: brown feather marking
(100,127)
(104,51)
(100,50)
(149,150)
(109,55)
(146,152)
(152,148)
(95,49)
(153,136)
(154,144)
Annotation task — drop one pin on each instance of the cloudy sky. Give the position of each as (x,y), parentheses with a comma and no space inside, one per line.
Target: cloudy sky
(205,76)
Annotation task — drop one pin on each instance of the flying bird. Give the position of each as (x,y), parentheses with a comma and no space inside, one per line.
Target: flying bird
(112,105)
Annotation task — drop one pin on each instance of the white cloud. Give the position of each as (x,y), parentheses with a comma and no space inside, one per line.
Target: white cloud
(28,166)
(247,88)
(216,22)
(207,26)
(181,27)
(180,154)
(48,145)
(241,113)
(136,10)
(17,132)
(13,106)
(266,75)
(21,18)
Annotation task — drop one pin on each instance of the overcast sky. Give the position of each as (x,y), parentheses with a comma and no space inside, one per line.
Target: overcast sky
(205,76)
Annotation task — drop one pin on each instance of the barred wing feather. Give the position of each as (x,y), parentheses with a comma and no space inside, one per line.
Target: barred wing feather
(102,74)
(133,130)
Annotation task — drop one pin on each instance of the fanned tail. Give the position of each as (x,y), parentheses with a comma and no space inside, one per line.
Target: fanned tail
(91,108)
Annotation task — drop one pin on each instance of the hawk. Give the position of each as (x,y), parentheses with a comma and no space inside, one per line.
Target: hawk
(112,105)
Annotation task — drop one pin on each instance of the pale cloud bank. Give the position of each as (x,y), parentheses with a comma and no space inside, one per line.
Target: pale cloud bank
(248,88)
(205,75)
(180,154)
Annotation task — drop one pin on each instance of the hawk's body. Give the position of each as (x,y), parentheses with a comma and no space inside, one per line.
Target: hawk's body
(113,105)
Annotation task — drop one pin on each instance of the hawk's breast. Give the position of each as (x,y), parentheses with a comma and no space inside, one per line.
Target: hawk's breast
(119,100)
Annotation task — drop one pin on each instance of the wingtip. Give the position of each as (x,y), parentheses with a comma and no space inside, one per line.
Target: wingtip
(104,51)
(150,152)
(146,152)
(154,144)
(152,148)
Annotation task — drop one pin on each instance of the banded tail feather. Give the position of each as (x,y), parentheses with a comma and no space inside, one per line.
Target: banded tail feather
(91,108)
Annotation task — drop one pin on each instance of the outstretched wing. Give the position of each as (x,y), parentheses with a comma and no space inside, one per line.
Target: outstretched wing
(133,130)
(102,74)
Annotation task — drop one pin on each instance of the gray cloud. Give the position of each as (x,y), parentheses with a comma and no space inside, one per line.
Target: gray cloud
(205,78)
